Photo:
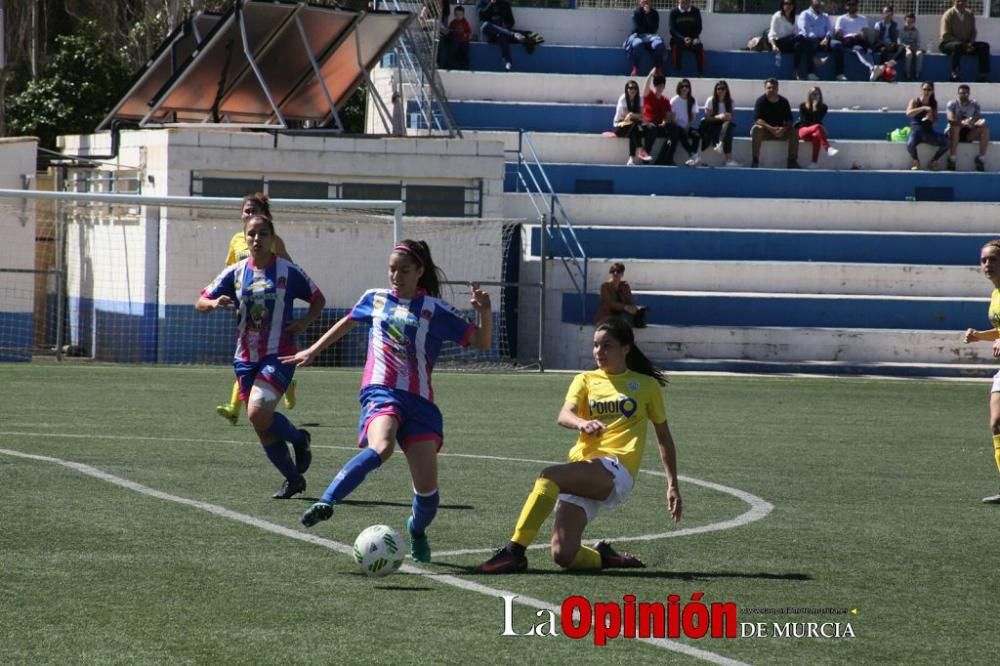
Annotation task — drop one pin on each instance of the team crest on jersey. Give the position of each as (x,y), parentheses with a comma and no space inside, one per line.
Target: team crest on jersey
(633,385)
(426,314)
(282,282)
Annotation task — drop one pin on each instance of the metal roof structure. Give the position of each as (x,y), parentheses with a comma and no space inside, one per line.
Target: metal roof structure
(262,63)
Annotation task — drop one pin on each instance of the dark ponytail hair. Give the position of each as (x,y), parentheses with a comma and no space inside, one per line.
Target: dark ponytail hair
(260,201)
(635,360)
(420,253)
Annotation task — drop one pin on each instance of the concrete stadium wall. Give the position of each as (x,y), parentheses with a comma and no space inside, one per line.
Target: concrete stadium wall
(17,299)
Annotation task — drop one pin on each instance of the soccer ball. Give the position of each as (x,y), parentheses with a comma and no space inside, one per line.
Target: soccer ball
(379,550)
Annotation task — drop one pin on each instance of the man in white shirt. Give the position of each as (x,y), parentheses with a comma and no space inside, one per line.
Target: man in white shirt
(850,33)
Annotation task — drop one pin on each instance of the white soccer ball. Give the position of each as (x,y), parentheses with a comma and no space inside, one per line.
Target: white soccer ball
(379,550)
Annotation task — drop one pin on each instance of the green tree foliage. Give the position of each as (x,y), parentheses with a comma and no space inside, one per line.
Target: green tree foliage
(83,79)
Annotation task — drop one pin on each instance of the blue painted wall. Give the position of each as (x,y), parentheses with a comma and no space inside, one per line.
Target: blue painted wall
(735,245)
(796,311)
(17,330)
(773,183)
(718,64)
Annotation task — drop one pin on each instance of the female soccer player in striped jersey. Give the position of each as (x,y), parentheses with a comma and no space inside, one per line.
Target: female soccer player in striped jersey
(265,286)
(609,408)
(989,261)
(253,204)
(409,323)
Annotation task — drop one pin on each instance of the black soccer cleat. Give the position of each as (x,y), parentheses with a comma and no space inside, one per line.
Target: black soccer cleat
(290,488)
(503,562)
(318,512)
(612,559)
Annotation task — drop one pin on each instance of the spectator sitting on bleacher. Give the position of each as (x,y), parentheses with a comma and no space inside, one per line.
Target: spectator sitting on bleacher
(772,121)
(617,300)
(850,33)
(645,29)
(923,114)
(628,122)
(909,38)
(958,37)
(810,125)
(683,106)
(453,49)
(658,119)
(497,23)
(815,34)
(966,124)
(717,126)
(685,34)
(886,37)
(783,34)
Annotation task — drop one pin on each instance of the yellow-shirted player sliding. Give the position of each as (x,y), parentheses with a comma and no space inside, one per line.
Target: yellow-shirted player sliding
(989,261)
(610,408)
(253,204)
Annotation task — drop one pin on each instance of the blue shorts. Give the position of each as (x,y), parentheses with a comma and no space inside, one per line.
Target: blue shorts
(419,419)
(268,369)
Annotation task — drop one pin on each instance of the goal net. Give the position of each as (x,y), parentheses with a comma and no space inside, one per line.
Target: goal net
(114,277)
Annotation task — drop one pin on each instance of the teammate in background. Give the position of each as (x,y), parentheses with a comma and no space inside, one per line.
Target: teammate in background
(264,287)
(409,323)
(989,261)
(253,204)
(610,408)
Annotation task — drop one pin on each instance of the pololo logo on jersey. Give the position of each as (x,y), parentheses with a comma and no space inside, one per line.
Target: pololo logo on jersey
(619,405)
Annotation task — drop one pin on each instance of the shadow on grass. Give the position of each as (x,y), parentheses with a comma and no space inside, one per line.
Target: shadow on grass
(636,573)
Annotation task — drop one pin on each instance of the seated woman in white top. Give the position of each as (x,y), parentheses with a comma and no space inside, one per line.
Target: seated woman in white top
(683,107)
(717,125)
(628,122)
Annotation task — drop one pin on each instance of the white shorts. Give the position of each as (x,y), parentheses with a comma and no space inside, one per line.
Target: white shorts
(996,383)
(620,489)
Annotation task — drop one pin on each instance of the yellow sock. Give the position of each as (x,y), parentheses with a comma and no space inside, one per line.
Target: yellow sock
(234,398)
(537,508)
(996,450)
(586,558)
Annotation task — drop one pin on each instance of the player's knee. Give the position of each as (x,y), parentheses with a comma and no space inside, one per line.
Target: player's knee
(549,473)
(995,425)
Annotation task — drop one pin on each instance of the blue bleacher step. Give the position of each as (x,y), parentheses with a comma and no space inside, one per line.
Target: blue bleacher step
(837,368)
(597,118)
(754,309)
(724,245)
(565,59)
(767,183)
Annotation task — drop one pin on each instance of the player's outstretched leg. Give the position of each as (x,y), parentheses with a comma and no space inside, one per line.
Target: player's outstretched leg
(612,559)
(348,478)
(424,508)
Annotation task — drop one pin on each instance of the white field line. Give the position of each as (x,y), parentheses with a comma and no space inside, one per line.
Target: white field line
(344,549)
(759,508)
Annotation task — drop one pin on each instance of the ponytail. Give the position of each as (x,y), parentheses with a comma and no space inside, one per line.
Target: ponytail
(420,253)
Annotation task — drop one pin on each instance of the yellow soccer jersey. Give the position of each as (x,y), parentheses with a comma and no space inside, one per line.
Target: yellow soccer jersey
(994,312)
(626,403)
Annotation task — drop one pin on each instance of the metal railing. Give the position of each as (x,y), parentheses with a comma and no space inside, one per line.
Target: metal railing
(530,178)
(415,61)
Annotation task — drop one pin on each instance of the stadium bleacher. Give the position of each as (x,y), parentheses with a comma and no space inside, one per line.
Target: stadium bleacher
(884,287)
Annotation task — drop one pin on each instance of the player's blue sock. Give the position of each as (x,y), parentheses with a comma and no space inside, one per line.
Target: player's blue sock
(425,507)
(282,428)
(277,453)
(351,475)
